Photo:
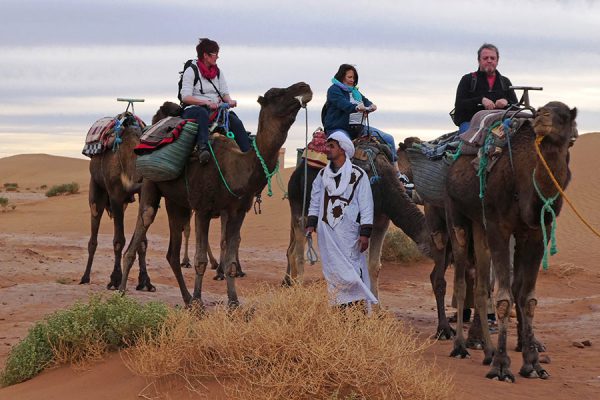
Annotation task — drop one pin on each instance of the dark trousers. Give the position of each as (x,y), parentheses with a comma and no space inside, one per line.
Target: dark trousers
(200,114)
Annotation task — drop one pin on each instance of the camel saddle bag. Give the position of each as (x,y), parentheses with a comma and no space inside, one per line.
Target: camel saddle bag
(429,176)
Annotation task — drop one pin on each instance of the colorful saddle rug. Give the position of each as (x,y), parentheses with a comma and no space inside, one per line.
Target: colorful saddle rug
(315,153)
(494,120)
(165,131)
(104,132)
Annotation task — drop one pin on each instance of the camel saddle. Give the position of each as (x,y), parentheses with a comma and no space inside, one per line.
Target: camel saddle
(315,152)
(106,130)
(370,146)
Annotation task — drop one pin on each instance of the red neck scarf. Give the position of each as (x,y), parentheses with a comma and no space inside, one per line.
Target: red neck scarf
(208,72)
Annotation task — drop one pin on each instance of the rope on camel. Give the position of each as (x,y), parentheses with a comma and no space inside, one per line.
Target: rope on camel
(547,208)
(538,140)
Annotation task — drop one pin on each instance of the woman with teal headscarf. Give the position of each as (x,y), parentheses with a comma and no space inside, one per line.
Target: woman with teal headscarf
(346,107)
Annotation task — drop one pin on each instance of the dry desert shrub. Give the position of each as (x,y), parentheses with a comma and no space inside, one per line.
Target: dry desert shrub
(398,247)
(290,344)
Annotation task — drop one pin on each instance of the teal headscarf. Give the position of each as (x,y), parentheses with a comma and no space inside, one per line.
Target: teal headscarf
(352,89)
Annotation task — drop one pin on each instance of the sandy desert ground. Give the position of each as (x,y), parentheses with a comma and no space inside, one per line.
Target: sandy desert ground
(43,250)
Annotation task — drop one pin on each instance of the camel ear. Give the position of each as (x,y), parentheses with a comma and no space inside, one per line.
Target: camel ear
(261,100)
(401,146)
(573,113)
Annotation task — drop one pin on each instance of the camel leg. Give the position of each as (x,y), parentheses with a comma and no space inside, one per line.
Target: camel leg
(143,277)
(440,252)
(213,261)
(185,263)
(234,224)
(118,244)
(220,274)
(202,223)
(97,200)
(482,288)
(459,236)
(295,254)
(147,212)
(498,245)
(178,217)
(528,256)
(380,227)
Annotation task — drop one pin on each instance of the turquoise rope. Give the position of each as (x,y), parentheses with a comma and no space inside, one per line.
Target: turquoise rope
(547,208)
(268,174)
(220,172)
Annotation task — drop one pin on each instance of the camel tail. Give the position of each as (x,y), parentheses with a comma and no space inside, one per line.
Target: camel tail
(130,186)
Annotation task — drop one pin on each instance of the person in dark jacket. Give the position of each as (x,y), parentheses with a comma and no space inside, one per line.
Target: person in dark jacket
(346,108)
(485,89)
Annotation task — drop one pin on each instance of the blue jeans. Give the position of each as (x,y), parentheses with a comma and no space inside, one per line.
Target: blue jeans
(200,114)
(462,128)
(387,138)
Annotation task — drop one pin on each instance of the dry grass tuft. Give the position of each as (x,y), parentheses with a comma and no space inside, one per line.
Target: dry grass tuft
(398,247)
(290,344)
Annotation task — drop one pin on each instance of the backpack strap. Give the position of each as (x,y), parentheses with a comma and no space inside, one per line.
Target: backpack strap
(219,93)
(473,81)
(197,76)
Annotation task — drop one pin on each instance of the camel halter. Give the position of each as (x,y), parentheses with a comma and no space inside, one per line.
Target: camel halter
(538,140)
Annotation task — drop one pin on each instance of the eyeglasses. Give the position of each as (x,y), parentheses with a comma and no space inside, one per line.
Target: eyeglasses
(213,54)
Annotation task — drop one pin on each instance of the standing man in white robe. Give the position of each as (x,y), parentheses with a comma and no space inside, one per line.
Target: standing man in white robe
(341,210)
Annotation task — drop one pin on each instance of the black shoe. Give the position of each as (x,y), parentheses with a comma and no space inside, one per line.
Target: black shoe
(203,155)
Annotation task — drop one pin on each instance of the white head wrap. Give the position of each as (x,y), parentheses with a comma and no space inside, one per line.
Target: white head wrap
(344,141)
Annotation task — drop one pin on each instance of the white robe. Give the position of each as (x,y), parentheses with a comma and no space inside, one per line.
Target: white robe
(344,266)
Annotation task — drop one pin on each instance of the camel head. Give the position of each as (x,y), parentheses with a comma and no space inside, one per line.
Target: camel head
(403,162)
(168,109)
(283,102)
(556,123)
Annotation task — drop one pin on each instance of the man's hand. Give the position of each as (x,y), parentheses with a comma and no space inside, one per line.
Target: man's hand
(501,103)
(212,105)
(488,104)
(364,243)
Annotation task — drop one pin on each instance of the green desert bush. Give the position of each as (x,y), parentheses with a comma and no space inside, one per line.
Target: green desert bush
(81,333)
(290,344)
(398,247)
(3,202)
(11,187)
(65,188)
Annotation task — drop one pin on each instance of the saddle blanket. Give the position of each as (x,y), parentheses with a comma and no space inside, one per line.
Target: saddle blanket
(483,120)
(316,153)
(165,131)
(102,133)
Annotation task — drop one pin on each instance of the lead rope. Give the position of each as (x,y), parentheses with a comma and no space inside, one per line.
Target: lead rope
(538,140)
(311,254)
(547,208)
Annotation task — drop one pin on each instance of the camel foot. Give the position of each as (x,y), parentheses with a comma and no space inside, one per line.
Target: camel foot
(488,356)
(533,372)
(501,374)
(474,343)
(84,280)
(233,304)
(538,345)
(444,332)
(185,264)
(146,285)
(240,274)
(115,281)
(287,281)
(112,285)
(460,351)
(219,276)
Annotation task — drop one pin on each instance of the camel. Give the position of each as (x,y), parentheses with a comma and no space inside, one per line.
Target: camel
(391,203)
(511,205)
(108,193)
(201,188)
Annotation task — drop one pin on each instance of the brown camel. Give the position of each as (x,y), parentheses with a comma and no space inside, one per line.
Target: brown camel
(108,193)
(201,188)
(511,206)
(390,200)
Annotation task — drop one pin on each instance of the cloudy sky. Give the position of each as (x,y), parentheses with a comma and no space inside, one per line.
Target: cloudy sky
(63,63)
